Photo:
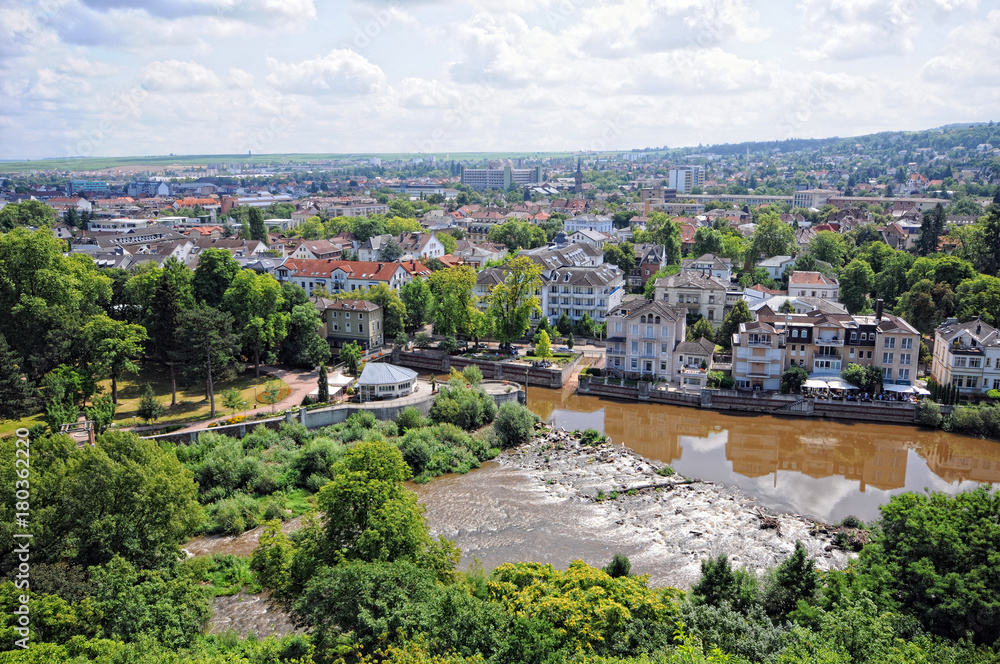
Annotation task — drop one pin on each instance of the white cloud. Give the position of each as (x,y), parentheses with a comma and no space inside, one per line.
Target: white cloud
(241,78)
(341,71)
(177,76)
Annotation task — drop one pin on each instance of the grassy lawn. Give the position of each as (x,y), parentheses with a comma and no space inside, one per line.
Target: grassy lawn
(559,359)
(192,405)
(8,427)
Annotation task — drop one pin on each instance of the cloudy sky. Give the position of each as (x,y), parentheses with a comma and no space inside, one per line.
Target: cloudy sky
(144,77)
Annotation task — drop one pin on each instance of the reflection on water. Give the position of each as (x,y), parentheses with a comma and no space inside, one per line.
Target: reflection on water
(810,466)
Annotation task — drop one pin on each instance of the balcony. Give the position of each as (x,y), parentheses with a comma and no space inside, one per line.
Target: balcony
(829,342)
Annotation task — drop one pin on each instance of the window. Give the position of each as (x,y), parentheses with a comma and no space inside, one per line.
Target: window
(904,358)
(335,327)
(664,349)
(906,344)
(889,342)
(869,355)
(347,314)
(972,381)
(958,381)
(975,362)
(618,326)
(959,362)
(635,346)
(635,329)
(649,330)
(854,336)
(664,331)
(887,373)
(361,316)
(864,336)
(635,363)
(904,374)
(361,328)
(711,314)
(348,328)
(887,358)
(663,366)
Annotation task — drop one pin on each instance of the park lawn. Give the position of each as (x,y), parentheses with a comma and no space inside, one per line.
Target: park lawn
(8,427)
(192,406)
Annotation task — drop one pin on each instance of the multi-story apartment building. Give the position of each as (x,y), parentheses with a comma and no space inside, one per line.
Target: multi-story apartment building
(825,343)
(337,276)
(642,336)
(758,356)
(967,355)
(685,178)
(346,321)
(813,284)
(589,222)
(708,296)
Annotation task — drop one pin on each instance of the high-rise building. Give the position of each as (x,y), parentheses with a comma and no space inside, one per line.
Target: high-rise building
(500,178)
(686,178)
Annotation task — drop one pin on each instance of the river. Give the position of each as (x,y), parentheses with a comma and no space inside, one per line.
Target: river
(819,468)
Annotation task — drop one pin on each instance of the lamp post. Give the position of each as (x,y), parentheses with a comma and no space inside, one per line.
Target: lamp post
(255,397)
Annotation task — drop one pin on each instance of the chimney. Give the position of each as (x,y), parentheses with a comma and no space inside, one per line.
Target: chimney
(878,309)
(380,266)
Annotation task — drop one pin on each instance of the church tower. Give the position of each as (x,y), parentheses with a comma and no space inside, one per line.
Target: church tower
(578,189)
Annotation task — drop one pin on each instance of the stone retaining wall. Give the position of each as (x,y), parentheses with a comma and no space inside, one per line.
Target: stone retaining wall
(772,404)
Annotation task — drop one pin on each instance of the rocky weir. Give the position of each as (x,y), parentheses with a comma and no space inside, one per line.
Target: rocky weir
(557,499)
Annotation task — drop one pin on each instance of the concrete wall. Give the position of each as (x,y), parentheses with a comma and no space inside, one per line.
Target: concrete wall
(323,417)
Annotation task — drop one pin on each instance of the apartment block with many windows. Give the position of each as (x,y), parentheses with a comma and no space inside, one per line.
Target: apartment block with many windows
(642,337)
(967,355)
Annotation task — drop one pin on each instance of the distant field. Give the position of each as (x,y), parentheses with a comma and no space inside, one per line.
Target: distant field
(161,162)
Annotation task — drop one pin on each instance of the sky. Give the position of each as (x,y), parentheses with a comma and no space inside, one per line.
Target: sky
(155,77)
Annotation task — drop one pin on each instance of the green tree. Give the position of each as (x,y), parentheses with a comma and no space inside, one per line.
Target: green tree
(396,226)
(667,232)
(255,221)
(323,383)
(210,348)
(794,378)
(163,325)
(543,345)
(517,235)
(390,252)
(15,389)
(702,329)
(934,559)
(351,355)
(931,229)
(856,282)
(564,325)
(365,228)
(830,247)
(149,409)
(116,346)
(303,346)
(621,255)
(794,580)
(393,310)
(513,301)
(466,407)
(60,400)
(620,566)
(706,241)
(416,296)
(233,399)
(979,296)
(926,305)
(865,378)
(721,583)
(124,496)
(772,237)
(255,303)
(26,213)
(454,306)
(102,413)
(740,313)
(214,275)
(272,393)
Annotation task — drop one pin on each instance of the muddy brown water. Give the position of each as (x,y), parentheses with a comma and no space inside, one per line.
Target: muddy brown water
(820,468)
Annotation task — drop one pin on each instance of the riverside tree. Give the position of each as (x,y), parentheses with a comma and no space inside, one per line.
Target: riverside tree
(513,301)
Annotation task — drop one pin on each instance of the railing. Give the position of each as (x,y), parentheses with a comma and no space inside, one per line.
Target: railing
(829,342)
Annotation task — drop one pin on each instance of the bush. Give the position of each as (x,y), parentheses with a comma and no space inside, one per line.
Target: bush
(410,418)
(466,407)
(619,566)
(235,515)
(306,401)
(514,424)
(929,414)
(592,437)
(472,374)
(665,471)
(416,450)
(423,340)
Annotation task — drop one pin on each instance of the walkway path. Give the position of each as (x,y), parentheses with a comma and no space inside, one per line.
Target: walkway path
(301,383)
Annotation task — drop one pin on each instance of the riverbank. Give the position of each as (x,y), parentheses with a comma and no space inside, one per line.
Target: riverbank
(670,523)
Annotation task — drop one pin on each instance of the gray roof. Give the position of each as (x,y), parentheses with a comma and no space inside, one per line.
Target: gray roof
(692,280)
(378,373)
(702,346)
